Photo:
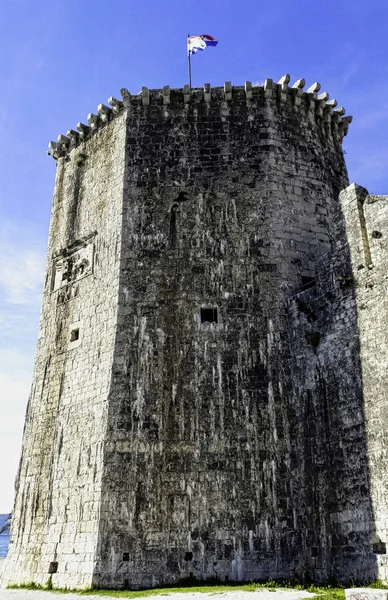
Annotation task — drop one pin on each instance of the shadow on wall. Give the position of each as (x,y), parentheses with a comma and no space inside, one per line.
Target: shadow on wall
(332,401)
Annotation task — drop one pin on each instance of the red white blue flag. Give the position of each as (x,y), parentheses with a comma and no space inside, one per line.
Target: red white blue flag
(199,42)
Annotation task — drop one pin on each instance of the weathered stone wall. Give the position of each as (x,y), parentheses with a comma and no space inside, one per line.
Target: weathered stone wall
(366,223)
(330,447)
(228,205)
(339,362)
(55,519)
(158,445)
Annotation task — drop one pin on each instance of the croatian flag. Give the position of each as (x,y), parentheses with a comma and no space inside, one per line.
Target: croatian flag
(199,42)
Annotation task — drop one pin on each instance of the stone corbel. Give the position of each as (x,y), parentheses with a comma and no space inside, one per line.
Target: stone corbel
(126,96)
(73,137)
(268,88)
(166,95)
(312,95)
(206,92)
(283,86)
(63,143)
(93,121)
(83,130)
(104,112)
(228,91)
(298,86)
(248,90)
(145,96)
(117,105)
(186,93)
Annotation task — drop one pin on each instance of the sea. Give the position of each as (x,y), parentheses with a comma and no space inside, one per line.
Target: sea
(4,537)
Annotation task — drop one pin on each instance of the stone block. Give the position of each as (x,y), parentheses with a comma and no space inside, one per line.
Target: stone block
(366,594)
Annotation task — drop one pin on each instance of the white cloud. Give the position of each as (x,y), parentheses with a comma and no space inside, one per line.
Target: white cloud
(15,382)
(22,258)
(21,267)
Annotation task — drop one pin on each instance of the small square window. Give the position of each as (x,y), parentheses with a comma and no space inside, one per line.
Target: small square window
(308,282)
(209,315)
(74,335)
(125,556)
(53,567)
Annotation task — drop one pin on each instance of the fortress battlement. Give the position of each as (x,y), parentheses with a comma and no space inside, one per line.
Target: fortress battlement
(316,106)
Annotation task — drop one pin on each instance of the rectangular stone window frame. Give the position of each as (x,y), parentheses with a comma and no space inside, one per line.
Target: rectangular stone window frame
(208,316)
(75,335)
(63,264)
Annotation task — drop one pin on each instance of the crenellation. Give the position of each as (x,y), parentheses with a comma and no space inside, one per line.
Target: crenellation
(319,108)
(126,96)
(248,90)
(268,88)
(207,92)
(327,113)
(228,91)
(52,150)
(93,121)
(63,142)
(340,111)
(83,130)
(117,105)
(166,95)
(74,138)
(186,93)
(345,124)
(314,88)
(283,87)
(104,112)
(145,96)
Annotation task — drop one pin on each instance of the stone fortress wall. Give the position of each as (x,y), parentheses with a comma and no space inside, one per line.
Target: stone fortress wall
(342,317)
(55,518)
(201,384)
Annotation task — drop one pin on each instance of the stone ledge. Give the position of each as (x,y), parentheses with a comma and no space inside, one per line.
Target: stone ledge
(366,594)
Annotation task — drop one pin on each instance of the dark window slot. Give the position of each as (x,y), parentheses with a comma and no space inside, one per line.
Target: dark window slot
(209,315)
(74,335)
(308,282)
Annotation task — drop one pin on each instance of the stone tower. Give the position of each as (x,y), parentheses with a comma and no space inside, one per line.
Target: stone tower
(197,403)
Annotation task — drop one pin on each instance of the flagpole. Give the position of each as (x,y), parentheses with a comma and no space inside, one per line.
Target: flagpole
(189,60)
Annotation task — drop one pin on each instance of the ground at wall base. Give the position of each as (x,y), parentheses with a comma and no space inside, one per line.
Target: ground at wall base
(324,592)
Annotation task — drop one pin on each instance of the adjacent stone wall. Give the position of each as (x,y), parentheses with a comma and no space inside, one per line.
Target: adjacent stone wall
(366,221)
(330,447)
(56,515)
(339,356)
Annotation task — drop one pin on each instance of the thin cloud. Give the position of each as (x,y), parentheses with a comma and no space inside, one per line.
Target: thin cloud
(22,261)
(15,382)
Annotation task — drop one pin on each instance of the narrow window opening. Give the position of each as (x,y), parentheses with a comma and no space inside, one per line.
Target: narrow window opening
(53,567)
(308,282)
(173,231)
(126,557)
(380,548)
(188,556)
(209,315)
(74,335)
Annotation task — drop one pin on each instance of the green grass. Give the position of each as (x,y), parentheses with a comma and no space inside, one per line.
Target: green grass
(324,592)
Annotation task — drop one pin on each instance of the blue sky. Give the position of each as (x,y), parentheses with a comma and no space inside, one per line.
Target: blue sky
(60,59)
